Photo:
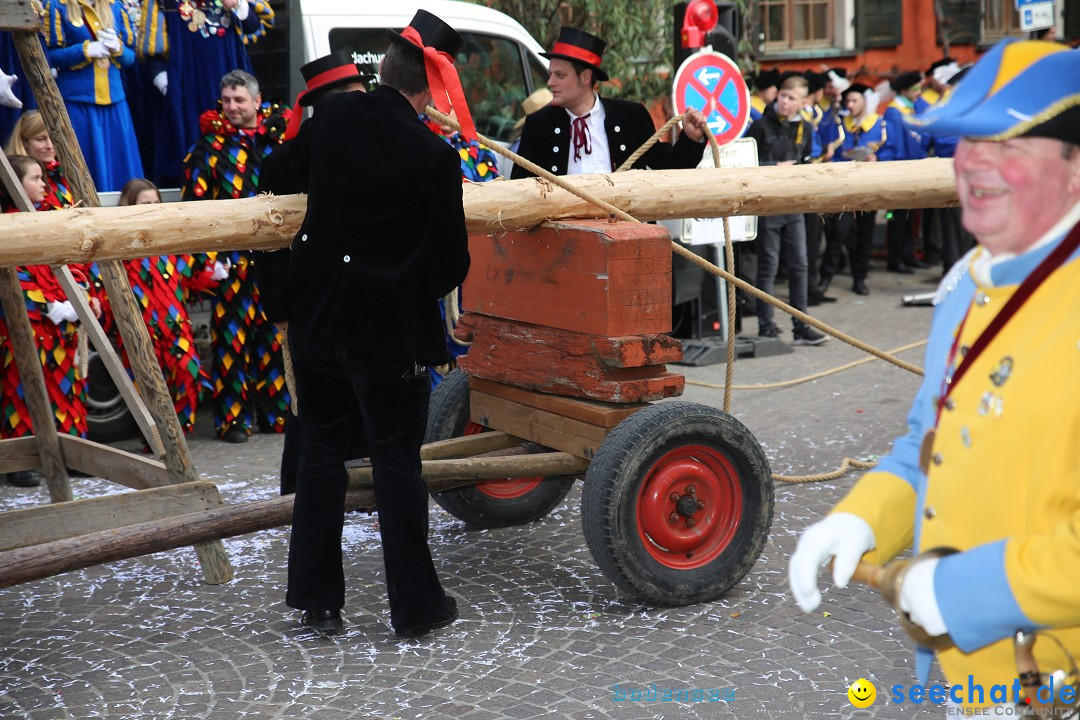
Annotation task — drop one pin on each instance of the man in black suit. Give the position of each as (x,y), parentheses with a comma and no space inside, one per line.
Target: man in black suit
(335,72)
(383,239)
(581,132)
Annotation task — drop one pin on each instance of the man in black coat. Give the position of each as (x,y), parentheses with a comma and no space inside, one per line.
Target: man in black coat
(580,132)
(383,239)
(784,137)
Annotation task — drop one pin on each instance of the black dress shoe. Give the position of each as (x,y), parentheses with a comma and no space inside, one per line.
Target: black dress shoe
(814,297)
(902,269)
(24,478)
(859,288)
(823,284)
(917,264)
(327,622)
(449,615)
(235,434)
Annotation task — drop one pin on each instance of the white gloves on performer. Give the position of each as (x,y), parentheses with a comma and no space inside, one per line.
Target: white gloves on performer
(242,9)
(917,597)
(58,312)
(7,97)
(221,269)
(96,49)
(161,82)
(842,536)
(110,40)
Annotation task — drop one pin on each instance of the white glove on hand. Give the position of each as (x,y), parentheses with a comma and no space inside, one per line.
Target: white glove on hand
(221,269)
(110,40)
(918,599)
(7,97)
(58,312)
(161,82)
(842,536)
(242,9)
(96,49)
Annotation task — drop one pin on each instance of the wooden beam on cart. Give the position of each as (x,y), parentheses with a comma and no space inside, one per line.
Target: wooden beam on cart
(269,222)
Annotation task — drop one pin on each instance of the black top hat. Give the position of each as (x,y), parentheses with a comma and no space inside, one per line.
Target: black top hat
(580,47)
(767,78)
(815,80)
(328,72)
(939,63)
(855,88)
(906,81)
(433,33)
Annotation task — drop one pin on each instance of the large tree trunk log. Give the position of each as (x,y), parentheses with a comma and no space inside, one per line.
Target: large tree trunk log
(269,222)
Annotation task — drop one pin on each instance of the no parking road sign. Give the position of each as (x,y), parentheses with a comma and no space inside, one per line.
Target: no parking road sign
(710,82)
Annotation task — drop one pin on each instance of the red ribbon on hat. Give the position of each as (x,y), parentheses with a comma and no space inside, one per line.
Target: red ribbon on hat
(315,83)
(444,83)
(576,52)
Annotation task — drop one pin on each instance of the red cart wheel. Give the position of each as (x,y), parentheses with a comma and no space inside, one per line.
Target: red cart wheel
(489,504)
(677,503)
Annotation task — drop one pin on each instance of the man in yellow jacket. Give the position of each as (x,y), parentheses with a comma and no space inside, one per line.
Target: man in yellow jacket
(990,465)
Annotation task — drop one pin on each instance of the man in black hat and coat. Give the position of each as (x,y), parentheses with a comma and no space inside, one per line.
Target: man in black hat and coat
(581,132)
(383,239)
(335,72)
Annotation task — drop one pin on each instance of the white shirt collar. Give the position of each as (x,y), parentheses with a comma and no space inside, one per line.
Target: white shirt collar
(599,160)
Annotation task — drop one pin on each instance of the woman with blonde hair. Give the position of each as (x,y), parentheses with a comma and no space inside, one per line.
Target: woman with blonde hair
(31,137)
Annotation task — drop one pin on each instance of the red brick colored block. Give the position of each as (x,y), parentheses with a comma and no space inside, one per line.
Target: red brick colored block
(586,276)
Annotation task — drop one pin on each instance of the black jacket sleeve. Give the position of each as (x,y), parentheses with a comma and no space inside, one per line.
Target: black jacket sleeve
(530,137)
(447,252)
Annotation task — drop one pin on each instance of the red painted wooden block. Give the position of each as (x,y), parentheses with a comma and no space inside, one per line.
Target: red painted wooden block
(587,276)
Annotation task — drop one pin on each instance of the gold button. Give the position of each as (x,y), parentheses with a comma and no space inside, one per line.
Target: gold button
(929,513)
(950,404)
(938,458)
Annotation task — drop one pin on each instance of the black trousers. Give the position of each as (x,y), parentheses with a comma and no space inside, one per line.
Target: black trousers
(814,226)
(955,240)
(901,242)
(338,388)
(853,232)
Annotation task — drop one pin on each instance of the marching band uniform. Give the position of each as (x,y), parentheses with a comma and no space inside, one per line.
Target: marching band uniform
(88,77)
(902,143)
(247,371)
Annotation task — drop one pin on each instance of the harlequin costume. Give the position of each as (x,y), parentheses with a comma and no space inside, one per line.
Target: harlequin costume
(56,346)
(59,194)
(92,88)
(195,42)
(995,475)
(247,371)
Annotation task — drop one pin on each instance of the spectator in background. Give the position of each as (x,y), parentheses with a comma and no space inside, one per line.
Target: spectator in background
(161,284)
(15,94)
(248,371)
(55,327)
(766,86)
(827,136)
(902,143)
(88,41)
(31,137)
(187,47)
(784,137)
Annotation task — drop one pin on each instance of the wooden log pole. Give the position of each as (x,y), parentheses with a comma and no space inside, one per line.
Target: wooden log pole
(268,222)
(215,563)
(52,558)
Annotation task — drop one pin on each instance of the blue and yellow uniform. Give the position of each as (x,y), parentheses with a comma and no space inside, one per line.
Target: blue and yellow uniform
(861,138)
(91,87)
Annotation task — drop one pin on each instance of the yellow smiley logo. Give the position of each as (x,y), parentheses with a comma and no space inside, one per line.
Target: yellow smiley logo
(862,693)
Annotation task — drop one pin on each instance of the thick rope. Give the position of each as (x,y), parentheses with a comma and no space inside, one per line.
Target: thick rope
(678,248)
(290,376)
(845,465)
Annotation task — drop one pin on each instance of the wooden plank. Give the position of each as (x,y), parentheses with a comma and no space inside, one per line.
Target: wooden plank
(119,466)
(19,454)
(545,428)
(593,412)
(47,523)
(18,15)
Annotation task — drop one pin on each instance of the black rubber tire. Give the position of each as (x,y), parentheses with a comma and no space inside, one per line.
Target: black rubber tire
(107,415)
(616,481)
(448,414)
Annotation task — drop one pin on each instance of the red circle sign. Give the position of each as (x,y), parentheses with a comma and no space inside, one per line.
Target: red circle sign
(710,82)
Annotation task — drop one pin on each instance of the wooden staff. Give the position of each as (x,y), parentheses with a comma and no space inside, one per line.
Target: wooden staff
(269,223)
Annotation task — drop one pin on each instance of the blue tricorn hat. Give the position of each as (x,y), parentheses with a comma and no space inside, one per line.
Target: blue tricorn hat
(1019,88)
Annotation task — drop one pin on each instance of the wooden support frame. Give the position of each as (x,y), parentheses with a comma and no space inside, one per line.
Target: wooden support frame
(164,487)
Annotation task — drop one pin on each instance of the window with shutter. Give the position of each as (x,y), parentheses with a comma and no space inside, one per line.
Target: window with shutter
(958,21)
(878,23)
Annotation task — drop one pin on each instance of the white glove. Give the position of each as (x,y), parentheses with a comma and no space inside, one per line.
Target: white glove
(842,536)
(58,312)
(52,70)
(221,269)
(242,9)
(96,49)
(161,82)
(918,599)
(110,40)
(7,97)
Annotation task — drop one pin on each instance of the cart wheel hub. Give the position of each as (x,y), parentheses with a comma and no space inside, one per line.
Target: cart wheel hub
(687,506)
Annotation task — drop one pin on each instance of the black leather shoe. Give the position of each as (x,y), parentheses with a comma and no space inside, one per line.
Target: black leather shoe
(859,288)
(902,269)
(816,298)
(24,478)
(823,284)
(449,615)
(327,622)
(235,434)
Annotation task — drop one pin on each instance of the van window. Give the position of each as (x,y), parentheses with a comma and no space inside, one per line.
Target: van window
(491,70)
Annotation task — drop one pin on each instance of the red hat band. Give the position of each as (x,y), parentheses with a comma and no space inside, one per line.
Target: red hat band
(576,52)
(443,80)
(297,115)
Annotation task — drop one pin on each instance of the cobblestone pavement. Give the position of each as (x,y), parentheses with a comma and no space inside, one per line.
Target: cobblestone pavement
(542,633)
